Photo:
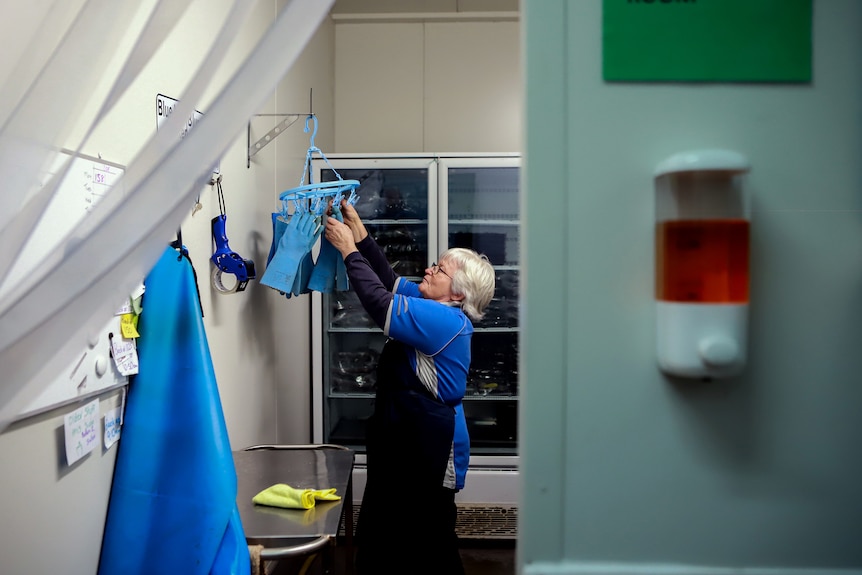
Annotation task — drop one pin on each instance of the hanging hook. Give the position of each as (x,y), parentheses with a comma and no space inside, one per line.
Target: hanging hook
(314,134)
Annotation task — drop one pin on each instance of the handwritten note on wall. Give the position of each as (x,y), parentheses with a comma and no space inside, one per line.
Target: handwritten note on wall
(82,434)
(125,353)
(112,426)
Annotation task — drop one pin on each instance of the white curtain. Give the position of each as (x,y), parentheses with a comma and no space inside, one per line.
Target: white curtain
(46,314)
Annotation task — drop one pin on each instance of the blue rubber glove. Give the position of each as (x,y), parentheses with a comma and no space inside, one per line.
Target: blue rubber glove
(292,247)
(303,274)
(323,276)
(278,227)
(306,265)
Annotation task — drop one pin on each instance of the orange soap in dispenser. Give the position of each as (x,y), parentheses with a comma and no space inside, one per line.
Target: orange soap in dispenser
(702,263)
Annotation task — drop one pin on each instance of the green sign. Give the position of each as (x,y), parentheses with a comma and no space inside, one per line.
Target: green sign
(706,40)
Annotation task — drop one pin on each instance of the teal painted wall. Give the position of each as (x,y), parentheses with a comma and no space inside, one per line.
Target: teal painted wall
(622,465)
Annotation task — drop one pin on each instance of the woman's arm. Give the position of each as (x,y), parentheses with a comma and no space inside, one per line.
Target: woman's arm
(372,252)
(374,296)
(343,237)
(353,221)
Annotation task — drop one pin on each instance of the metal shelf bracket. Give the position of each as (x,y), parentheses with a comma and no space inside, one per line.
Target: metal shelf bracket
(287,121)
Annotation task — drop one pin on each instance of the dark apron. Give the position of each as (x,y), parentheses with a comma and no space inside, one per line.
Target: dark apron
(409,436)
(407,518)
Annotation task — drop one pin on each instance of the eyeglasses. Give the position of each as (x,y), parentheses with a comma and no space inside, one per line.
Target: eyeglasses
(436,268)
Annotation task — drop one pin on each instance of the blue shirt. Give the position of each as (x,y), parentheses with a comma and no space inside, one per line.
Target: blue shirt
(437,336)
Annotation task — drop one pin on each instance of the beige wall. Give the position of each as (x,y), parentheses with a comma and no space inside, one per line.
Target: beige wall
(407,84)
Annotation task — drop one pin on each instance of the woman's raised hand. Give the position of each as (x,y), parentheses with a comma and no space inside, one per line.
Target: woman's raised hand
(353,221)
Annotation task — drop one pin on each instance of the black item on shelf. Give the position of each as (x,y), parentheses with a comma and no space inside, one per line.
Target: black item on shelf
(348,312)
(507,284)
(491,244)
(356,362)
(501,312)
(357,383)
(391,205)
(404,251)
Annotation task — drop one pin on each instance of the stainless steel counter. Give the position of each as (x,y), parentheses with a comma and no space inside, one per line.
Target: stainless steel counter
(285,532)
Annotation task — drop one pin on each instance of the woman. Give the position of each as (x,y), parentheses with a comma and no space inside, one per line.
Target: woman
(417,443)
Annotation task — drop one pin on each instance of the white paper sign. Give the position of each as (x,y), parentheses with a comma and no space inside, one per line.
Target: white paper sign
(125,354)
(124,308)
(81,432)
(112,427)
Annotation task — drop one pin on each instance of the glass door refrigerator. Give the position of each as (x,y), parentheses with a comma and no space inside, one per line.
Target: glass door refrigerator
(417,206)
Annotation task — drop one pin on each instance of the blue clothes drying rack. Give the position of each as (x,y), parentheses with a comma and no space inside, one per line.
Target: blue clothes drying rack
(300,221)
(315,196)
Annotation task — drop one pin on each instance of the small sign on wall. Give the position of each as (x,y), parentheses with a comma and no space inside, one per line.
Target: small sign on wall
(113,422)
(165,107)
(81,432)
(706,40)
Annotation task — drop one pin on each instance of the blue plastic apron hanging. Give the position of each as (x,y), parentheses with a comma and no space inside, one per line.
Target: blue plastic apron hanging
(173,498)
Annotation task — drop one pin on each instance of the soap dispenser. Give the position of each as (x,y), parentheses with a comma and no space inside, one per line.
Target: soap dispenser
(702,235)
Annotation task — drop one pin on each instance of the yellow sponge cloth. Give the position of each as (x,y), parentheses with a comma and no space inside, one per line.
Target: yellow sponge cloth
(283,495)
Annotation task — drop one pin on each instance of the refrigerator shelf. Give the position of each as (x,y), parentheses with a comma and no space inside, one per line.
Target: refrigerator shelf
(468,397)
(395,222)
(482,222)
(354,330)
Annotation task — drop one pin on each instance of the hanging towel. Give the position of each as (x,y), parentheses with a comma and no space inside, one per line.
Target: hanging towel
(256,562)
(173,507)
(283,495)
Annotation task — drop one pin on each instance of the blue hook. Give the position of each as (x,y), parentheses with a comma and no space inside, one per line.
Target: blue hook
(307,118)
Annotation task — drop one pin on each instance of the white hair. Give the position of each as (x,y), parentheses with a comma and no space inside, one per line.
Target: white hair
(473,278)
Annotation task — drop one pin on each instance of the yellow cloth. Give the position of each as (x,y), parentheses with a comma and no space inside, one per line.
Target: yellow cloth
(283,495)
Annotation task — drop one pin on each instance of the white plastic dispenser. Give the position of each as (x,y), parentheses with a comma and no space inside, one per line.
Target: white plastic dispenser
(702,263)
